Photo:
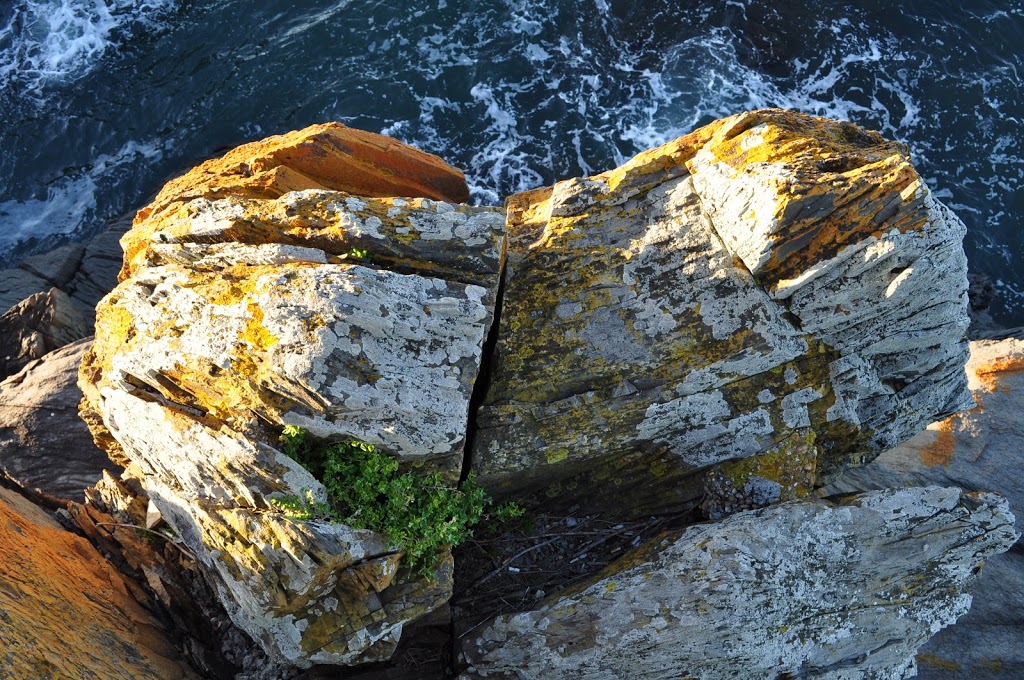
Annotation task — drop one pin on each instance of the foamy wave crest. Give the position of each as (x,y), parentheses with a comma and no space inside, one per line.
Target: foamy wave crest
(46,42)
(70,203)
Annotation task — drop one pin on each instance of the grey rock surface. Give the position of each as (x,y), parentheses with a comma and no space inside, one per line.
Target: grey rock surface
(18,284)
(40,324)
(58,266)
(805,589)
(43,442)
(982,449)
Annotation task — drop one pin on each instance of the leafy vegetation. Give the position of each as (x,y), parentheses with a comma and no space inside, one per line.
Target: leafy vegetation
(359,253)
(419,513)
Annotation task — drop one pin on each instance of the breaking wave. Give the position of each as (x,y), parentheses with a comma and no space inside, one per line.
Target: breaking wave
(519,93)
(47,42)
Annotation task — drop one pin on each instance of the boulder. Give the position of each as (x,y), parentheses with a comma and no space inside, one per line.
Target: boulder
(43,442)
(65,612)
(38,325)
(772,284)
(735,317)
(353,317)
(846,589)
(976,450)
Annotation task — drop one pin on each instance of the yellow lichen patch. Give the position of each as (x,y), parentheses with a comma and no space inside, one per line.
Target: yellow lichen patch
(786,472)
(832,184)
(649,168)
(791,464)
(943,449)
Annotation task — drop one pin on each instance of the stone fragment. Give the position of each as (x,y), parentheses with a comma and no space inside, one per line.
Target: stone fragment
(66,612)
(642,340)
(976,450)
(38,325)
(43,442)
(844,590)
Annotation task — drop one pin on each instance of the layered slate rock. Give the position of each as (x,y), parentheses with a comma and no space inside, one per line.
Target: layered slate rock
(354,317)
(976,450)
(38,325)
(772,285)
(43,442)
(65,612)
(845,589)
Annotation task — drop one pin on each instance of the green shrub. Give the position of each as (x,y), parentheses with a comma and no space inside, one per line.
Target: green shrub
(420,514)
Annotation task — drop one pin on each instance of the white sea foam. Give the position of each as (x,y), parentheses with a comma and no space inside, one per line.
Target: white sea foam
(70,202)
(48,42)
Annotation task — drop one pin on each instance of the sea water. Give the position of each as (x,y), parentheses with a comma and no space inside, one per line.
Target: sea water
(101,101)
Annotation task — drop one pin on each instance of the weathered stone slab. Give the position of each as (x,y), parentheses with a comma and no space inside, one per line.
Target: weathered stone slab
(280,332)
(976,450)
(841,590)
(43,442)
(66,612)
(328,156)
(637,345)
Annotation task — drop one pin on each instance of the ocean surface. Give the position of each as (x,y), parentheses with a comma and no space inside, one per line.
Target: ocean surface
(101,101)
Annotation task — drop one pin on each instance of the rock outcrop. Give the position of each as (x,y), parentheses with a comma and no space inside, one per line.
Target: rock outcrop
(43,442)
(353,317)
(771,284)
(976,450)
(848,590)
(65,612)
(38,325)
(735,317)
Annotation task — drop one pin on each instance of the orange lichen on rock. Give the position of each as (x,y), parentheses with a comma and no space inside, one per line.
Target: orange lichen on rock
(988,373)
(835,184)
(943,449)
(327,156)
(65,612)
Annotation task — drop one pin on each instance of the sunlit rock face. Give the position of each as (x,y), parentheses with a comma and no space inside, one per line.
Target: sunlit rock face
(244,308)
(772,284)
(732,319)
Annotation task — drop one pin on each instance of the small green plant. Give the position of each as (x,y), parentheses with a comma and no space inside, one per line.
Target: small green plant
(419,513)
(359,253)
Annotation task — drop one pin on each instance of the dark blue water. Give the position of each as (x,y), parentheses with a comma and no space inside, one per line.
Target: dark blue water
(102,100)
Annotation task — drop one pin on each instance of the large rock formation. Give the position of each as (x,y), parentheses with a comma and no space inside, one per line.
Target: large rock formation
(65,612)
(975,450)
(771,284)
(804,589)
(353,317)
(737,315)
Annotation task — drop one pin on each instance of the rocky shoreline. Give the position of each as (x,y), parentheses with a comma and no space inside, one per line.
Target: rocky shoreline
(619,437)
